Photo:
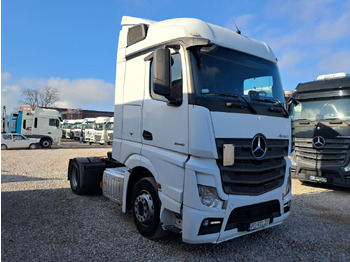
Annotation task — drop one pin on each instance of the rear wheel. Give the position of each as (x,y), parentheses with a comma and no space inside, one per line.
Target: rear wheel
(146,208)
(3,147)
(32,146)
(75,179)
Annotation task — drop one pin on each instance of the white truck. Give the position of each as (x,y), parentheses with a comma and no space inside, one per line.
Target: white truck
(202,141)
(110,130)
(42,123)
(100,131)
(89,129)
(77,128)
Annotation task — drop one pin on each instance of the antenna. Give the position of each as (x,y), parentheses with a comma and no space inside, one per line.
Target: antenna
(237,31)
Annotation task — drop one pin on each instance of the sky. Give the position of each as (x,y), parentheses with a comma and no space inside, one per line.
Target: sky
(72,44)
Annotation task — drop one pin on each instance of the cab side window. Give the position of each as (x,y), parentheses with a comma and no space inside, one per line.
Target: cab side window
(176,80)
(54,122)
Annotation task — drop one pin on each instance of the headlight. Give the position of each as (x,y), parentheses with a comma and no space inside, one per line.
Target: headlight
(209,197)
(347,168)
(288,187)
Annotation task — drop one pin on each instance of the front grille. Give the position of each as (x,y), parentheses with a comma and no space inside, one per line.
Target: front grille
(335,152)
(249,176)
(97,138)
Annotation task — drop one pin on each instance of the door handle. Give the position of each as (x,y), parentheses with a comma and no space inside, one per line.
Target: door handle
(147,135)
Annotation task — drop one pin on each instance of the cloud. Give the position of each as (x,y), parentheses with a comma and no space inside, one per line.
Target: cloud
(90,93)
(290,59)
(9,92)
(335,63)
(5,77)
(309,38)
(83,93)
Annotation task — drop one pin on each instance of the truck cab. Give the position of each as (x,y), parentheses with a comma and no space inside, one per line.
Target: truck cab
(202,141)
(100,131)
(109,130)
(321,129)
(41,123)
(89,129)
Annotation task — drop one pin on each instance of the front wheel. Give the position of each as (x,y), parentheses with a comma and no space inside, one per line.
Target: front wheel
(45,143)
(3,147)
(146,208)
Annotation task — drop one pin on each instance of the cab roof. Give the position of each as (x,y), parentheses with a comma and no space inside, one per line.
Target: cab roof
(167,30)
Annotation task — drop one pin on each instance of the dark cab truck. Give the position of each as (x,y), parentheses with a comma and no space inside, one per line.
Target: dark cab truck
(321,130)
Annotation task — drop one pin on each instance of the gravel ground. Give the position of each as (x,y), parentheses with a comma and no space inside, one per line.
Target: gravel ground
(42,220)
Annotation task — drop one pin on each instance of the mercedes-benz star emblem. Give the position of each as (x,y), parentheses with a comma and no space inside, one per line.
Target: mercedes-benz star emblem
(318,142)
(259,146)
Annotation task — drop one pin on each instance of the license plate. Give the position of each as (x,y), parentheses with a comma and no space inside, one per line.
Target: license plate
(318,179)
(259,224)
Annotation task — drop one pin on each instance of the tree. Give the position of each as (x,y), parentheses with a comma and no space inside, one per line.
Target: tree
(44,97)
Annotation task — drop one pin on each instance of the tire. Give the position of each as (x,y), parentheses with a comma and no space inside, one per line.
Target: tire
(3,147)
(75,179)
(146,208)
(45,143)
(33,146)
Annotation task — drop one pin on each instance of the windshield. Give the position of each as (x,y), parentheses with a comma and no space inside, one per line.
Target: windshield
(323,109)
(89,125)
(110,126)
(228,72)
(98,126)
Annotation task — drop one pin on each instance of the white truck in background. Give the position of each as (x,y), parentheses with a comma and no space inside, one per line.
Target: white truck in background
(202,141)
(77,128)
(41,123)
(109,130)
(67,128)
(89,129)
(100,131)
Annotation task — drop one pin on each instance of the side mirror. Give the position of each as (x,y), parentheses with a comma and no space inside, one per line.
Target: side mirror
(161,72)
(290,102)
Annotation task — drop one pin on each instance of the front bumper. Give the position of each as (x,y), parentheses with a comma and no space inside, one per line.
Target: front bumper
(235,220)
(326,175)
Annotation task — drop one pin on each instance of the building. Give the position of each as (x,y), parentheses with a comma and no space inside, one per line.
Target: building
(68,113)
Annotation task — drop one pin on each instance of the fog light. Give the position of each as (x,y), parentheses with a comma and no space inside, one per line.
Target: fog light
(347,168)
(206,222)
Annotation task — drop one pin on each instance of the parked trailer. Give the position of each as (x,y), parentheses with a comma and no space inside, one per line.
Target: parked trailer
(202,141)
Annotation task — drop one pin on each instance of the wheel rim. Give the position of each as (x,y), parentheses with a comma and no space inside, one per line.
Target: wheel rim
(144,208)
(46,143)
(74,178)
(3,147)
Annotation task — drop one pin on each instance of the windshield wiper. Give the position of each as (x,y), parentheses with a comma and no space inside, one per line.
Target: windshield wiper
(275,102)
(235,96)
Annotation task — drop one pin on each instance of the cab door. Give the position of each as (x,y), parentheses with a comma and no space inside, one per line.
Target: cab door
(164,130)
(165,125)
